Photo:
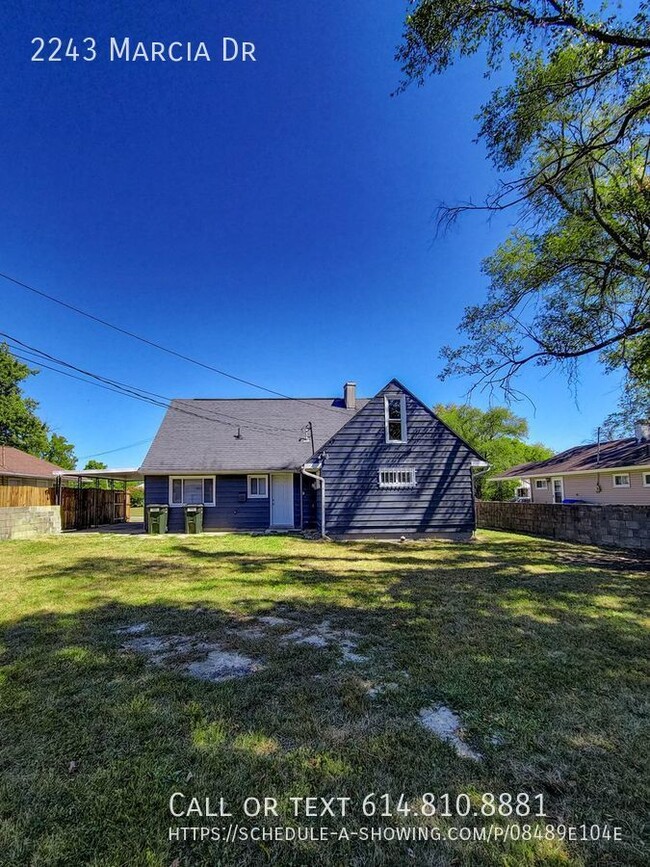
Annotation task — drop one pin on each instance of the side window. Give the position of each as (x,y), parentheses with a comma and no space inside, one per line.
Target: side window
(192,491)
(177,492)
(395,418)
(258,487)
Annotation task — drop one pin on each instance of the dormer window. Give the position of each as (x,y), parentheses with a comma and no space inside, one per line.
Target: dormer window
(395,418)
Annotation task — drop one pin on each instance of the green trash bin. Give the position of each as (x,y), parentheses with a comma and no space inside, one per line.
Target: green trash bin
(193,519)
(157,518)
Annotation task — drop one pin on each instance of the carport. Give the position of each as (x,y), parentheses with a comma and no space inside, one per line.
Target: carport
(95,498)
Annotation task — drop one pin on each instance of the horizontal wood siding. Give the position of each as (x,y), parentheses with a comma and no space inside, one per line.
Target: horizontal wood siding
(441,501)
(582,486)
(309,503)
(233,510)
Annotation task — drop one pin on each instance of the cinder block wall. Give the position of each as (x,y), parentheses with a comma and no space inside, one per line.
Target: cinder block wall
(615,525)
(28,522)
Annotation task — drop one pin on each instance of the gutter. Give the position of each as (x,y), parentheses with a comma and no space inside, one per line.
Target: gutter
(305,472)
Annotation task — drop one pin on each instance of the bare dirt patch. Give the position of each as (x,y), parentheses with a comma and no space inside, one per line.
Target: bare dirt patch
(446,725)
(323,635)
(222,665)
(206,660)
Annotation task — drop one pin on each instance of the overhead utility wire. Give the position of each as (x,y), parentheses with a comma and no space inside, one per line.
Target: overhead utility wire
(112,451)
(39,353)
(126,392)
(159,346)
(138,393)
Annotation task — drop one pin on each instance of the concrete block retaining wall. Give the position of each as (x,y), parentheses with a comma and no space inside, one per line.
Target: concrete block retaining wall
(614,525)
(29,522)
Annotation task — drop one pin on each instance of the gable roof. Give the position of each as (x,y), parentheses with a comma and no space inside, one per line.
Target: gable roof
(591,458)
(202,434)
(14,462)
(395,385)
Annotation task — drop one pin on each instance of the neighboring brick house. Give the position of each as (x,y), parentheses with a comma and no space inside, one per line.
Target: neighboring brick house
(385,465)
(614,472)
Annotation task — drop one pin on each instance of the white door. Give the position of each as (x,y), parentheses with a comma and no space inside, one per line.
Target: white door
(282,500)
(558,490)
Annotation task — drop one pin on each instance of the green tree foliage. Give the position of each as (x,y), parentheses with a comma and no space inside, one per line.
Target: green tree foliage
(20,427)
(570,137)
(499,436)
(95,465)
(60,451)
(137,495)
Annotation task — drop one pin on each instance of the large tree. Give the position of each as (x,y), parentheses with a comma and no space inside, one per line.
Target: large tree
(20,426)
(570,136)
(500,436)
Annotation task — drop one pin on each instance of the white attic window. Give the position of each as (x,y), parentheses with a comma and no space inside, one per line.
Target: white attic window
(395,418)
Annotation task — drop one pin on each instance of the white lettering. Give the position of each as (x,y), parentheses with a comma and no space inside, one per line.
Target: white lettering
(234,47)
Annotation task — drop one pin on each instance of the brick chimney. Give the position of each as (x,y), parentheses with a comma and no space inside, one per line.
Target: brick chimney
(642,431)
(350,395)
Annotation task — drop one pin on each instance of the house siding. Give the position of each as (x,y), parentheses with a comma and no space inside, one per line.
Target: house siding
(233,509)
(582,486)
(442,501)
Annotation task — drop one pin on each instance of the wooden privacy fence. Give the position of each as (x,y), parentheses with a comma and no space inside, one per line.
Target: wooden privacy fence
(19,496)
(90,507)
(81,508)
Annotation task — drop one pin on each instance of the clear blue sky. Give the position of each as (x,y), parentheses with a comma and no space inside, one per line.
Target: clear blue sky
(271,218)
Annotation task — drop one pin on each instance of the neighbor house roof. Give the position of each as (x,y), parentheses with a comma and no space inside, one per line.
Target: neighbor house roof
(615,454)
(244,434)
(13,462)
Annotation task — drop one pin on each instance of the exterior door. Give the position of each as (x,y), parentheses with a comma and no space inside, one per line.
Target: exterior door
(558,490)
(282,500)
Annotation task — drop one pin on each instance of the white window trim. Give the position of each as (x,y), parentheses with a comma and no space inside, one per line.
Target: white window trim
(646,480)
(541,485)
(561,481)
(393,485)
(172,479)
(402,412)
(248,486)
(620,476)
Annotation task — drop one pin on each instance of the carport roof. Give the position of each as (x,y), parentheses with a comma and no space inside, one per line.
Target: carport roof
(121,475)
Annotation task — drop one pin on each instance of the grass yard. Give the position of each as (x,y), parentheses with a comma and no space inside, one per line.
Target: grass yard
(539,647)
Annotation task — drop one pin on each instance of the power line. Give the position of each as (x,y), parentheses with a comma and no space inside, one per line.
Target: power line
(135,392)
(112,451)
(156,345)
(127,392)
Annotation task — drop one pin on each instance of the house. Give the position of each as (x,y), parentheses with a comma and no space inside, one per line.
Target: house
(617,471)
(385,465)
(28,495)
(18,468)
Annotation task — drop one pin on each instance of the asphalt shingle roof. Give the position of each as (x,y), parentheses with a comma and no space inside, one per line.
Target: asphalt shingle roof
(15,462)
(588,459)
(200,435)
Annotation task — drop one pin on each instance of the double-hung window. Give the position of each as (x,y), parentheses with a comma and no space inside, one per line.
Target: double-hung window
(258,487)
(191,491)
(397,478)
(621,480)
(395,418)
(646,480)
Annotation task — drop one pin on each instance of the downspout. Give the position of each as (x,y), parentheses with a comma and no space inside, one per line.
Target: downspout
(322,512)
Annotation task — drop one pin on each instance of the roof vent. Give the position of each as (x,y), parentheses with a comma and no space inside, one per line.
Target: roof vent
(350,395)
(642,431)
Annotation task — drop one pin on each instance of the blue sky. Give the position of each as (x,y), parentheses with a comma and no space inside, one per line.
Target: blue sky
(275,218)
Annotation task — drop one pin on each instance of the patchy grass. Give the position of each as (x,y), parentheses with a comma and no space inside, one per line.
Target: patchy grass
(538,647)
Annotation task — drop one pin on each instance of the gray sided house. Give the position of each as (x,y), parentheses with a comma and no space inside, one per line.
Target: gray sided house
(380,466)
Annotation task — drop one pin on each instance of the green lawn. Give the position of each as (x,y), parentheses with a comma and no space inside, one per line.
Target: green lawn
(539,647)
